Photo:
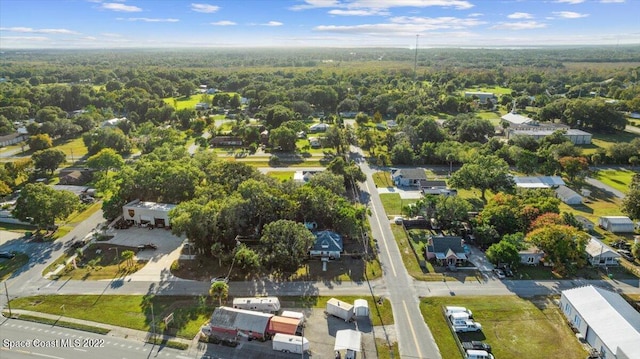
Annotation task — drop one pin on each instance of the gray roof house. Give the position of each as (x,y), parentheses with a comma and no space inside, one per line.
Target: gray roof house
(567,195)
(587,225)
(328,244)
(436,187)
(604,319)
(234,321)
(600,254)
(446,250)
(405,177)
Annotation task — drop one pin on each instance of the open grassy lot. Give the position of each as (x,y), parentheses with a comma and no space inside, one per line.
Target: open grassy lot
(382,179)
(619,179)
(74,149)
(180,103)
(393,204)
(133,311)
(515,327)
(8,266)
(498,90)
(99,261)
(606,140)
(282,176)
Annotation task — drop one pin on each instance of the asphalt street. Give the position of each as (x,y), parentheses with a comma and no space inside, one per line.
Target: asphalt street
(20,339)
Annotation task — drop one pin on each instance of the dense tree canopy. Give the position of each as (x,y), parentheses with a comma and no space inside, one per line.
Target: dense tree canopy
(43,205)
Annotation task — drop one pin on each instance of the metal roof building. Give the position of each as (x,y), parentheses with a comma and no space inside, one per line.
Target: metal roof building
(607,322)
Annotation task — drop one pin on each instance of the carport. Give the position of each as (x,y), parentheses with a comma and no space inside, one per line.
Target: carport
(349,340)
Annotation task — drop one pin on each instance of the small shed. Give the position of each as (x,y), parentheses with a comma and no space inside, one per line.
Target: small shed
(567,195)
(616,224)
(283,325)
(361,308)
(292,314)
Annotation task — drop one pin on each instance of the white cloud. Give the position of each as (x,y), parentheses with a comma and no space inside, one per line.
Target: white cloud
(405,26)
(90,38)
(272,23)
(612,1)
(569,14)
(361,12)
(120,7)
(147,19)
(476,14)
(25,38)
(205,8)
(522,25)
(39,31)
(110,34)
(381,4)
(573,2)
(223,23)
(520,15)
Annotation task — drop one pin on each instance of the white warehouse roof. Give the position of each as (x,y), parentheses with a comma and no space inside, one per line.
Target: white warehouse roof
(609,316)
(618,219)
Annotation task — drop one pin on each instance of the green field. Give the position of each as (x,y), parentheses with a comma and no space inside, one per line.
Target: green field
(180,103)
(619,179)
(382,179)
(393,204)
(513,326)
(74,149)
(498,90)
(606,140)
(282,176)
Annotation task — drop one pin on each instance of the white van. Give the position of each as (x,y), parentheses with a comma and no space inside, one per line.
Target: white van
(459,317)
(478,354)
(451,310)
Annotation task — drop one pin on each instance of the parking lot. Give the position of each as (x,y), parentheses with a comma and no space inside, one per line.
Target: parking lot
(320,330)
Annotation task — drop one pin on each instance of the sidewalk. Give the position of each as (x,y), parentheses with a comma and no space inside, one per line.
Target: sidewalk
(114,331)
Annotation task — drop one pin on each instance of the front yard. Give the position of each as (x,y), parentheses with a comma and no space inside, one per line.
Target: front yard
(513,326)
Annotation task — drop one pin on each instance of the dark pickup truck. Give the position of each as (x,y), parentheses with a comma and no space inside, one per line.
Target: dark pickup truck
(476,345)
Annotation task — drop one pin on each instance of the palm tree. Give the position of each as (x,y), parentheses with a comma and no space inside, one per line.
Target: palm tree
(128,255)
(219,290)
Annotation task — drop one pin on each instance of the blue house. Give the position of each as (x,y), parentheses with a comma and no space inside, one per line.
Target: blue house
(328,245)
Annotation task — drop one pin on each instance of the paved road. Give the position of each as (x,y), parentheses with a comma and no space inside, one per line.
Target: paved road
(414,337)
(594,182)
(35,340)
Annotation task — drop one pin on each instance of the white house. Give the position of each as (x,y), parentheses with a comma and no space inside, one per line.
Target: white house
(408,176)
(483,97)
(604,319)
(600,254)
(303,176)
(531,256)
(113,122)
(616,224)
(567,195)
(319,127)
(148,213)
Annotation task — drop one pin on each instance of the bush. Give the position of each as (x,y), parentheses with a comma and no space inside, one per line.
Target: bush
(274,160)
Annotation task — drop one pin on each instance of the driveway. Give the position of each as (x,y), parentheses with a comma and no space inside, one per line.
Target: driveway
(594,182)
(480,261)
(158,260)
(405,193)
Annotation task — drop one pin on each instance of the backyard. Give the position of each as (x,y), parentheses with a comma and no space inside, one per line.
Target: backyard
(513,326)
(619,179)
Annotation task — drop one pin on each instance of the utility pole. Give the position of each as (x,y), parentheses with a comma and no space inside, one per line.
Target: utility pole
(6,292)
(153,324)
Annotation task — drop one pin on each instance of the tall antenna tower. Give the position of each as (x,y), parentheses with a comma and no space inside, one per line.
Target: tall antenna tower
(415,60)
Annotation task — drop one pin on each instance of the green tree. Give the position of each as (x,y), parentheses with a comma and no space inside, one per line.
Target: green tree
(105,160)
(503,252)
(219,291)
(484,173)
(631,202)
(42,205)
(450,211)
(128,256)
(283,137)
(563,246)
(286,244)
(331,181)
(40,142)
(574,167)
(49,159)
(186,88)
(246,258)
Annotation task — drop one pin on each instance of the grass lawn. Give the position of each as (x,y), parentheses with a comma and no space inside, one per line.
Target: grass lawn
(8,266)
(382,179)
(618,179)
(184,102)
(498,90)
(99,261)
(18,228)
(393,204)
(600,204)
(282,176)
(74,149)
(129,311)
(515,327)
(384,352)
(606,140)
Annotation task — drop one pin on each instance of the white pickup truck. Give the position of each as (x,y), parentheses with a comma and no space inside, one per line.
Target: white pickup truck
(466,326)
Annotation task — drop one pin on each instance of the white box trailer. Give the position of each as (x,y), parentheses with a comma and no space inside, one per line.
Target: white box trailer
(290,343)
(259,304)
(340,309)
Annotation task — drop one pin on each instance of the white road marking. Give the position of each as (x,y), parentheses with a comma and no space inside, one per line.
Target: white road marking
(413,332)
(375,213)
(80,350)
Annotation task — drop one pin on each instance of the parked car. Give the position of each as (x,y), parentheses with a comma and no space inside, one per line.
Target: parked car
(626,254)
(397,220)
(476,345)
(220,279)
(499,273)
(506,269)
(147,246)
(8,255)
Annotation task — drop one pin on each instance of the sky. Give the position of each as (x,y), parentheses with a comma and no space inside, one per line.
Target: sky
(96,24)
